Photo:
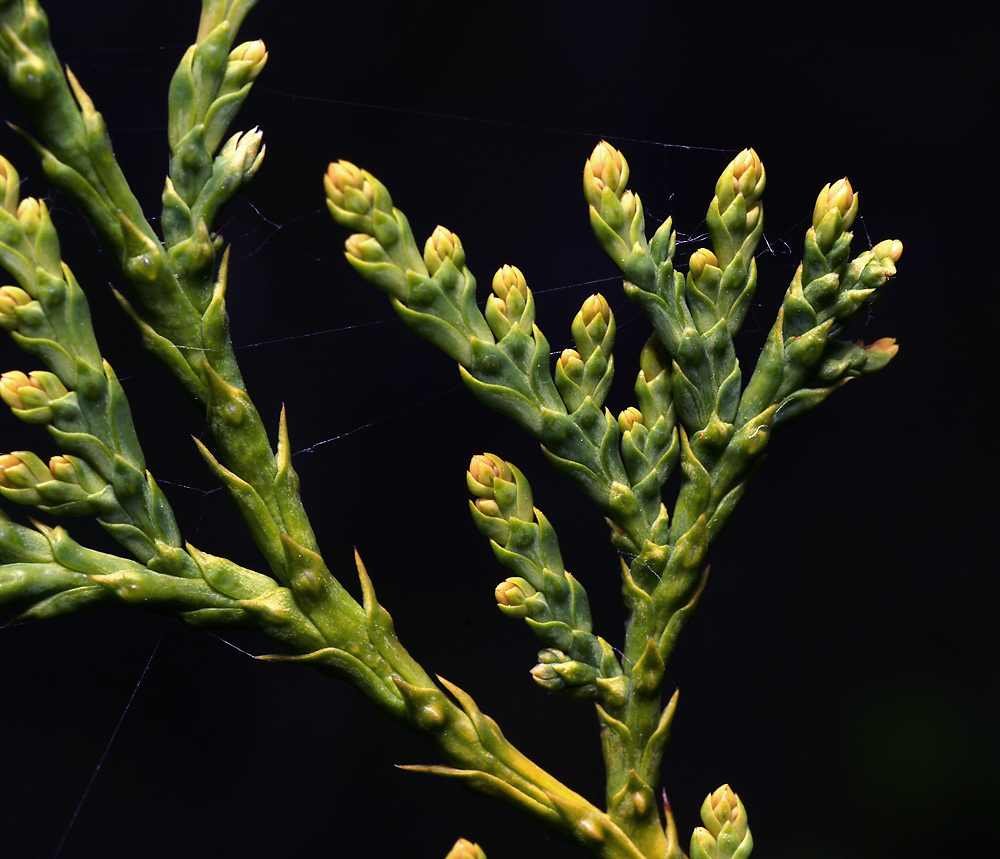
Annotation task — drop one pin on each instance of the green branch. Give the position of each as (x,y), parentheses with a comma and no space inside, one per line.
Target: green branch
(692,410)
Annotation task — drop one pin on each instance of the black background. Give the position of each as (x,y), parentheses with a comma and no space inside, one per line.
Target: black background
(841,671)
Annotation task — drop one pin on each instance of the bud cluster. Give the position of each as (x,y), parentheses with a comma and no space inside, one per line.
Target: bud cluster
(30,396)
(726,834)
(348,189)
(569,377)
(649,452)
(616,214)
(66,485)
(586,372)
(804,360)
(33,238)
(192,247)
(464,849)
(606,169)
(11,299)
(367,255)
(512,597)
(629,419)
(827,286)
(701,260)
(707,299)
(744,176)
(549,599)
(241,156)
(594,327)
(443,247)
(585,680)
(556,672)
(356,199)
(836,203)
(721,282)
(246,62)
(510,304)
(211,82)
(46,310)
(501,493)
(834,213)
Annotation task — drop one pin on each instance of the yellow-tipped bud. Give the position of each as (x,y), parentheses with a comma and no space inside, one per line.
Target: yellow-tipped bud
(242,153)
(509,303)
(347,188)
(21,391)
(11,384)
(593,327)
(748,171)
(608,167)
(507,278)
(63,469)
(569,358)
(7,462)
(33,217)
(876,355)
(884,344)
(488,507)
(443,245)
(11,298)
(629,418)
(465,849)
(888,249)
(723,803)
(571,363)
(594,307)
(558,672)
(253,54)
(569,376)
(367,255)
(743,175)
(722,811)
(65,484)
(725,832)
(839,196)
(483,470)
(10,184)
(699,259)
(355,245)
(512,596)
(22,470)
(363,247)
(629,205)
(29,213)
(499,493)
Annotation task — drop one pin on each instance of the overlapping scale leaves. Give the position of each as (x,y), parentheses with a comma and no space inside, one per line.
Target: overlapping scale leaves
(692,409)
(549,599)
(100,469)
(176,296)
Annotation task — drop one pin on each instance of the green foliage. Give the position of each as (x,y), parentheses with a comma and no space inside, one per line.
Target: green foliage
(692,410)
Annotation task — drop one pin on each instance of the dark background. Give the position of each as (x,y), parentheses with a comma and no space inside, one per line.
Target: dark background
(841,672)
